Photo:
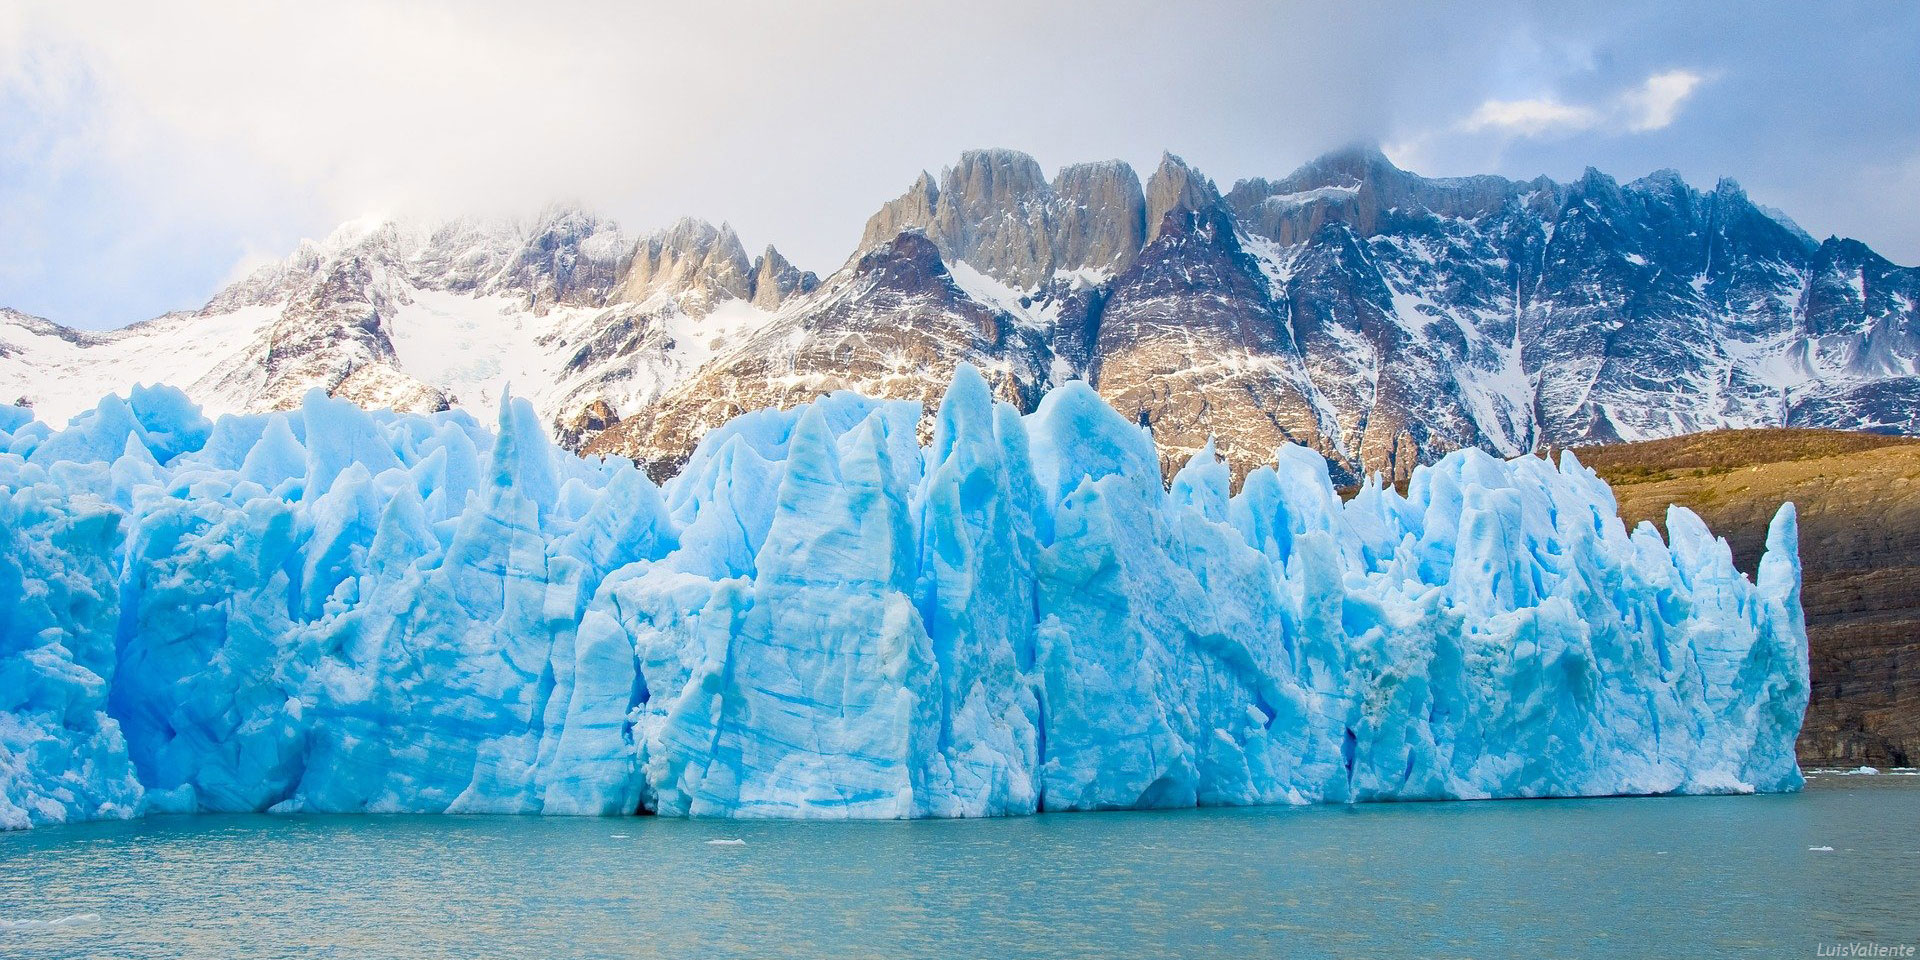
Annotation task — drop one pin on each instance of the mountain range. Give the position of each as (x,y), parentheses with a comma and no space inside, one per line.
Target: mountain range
(1380,317)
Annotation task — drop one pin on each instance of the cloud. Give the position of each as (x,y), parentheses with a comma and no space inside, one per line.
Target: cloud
(793,122)
(1529,117)
(1653,105)
(159,144)
(1657,102)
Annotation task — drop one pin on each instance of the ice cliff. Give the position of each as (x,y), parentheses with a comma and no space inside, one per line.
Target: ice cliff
(334,610)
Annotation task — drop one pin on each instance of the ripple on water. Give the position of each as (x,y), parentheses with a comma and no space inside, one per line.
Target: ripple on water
(1604,878)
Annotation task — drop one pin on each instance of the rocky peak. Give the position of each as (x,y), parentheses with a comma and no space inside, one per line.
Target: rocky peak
(775,280)
(1100,220)
(986,182)
(993,212)
(1596,188)
(568,257)
(910,261)
(912,210)
(1360,187)
(274,283)
(333,335)
(1176,186)
(465,254)
(996,211)
(1347,167)
(1665,180)
(344,303)
(1802,238)
(1851,289)
(693,261)
(40,326)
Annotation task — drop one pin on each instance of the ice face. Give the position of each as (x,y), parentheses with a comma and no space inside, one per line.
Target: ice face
(334,610)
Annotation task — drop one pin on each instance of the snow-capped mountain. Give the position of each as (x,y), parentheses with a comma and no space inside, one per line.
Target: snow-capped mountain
(1377,316)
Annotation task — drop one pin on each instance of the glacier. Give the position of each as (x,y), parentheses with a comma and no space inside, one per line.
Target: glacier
(329,609)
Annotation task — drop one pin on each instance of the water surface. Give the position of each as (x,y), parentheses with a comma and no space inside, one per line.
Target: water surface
(1708,876)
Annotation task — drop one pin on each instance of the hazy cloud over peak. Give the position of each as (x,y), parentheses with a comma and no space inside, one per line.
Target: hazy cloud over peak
(1657,101)
(1652,105)
(146,149)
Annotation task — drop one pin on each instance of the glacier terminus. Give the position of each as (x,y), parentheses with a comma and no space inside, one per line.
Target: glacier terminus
(831,614)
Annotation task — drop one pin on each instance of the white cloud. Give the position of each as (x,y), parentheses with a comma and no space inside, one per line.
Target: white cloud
(1530,117)
(261,123)
(1653,105)
(157,143)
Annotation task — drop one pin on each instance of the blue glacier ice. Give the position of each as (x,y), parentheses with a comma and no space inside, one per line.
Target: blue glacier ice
(328,609)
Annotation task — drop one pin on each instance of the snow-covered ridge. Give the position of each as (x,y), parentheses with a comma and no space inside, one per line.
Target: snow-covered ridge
(1379,317)
(1331,192)
(326,609)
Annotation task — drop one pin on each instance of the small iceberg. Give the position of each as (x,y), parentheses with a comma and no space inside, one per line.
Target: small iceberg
(29,926)
(727,842)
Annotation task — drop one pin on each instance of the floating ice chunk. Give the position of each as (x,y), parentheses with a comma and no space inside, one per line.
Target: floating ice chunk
(60,923)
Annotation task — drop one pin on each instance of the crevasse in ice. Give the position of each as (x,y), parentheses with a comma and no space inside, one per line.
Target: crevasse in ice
(334,610)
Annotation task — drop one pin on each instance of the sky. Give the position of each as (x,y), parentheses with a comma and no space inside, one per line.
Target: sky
(150,153)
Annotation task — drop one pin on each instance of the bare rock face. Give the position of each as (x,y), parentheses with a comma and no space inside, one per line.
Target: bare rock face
(893,324)
(991,210)
(1175,186)
(331,336)
(1221,367)
(775,281)
(996,211)
(699,264)
(378,386)
(592,420)
(1099,218)
(570,258)
(913,210)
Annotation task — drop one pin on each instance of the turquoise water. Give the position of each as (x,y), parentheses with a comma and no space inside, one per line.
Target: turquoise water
(1721,876)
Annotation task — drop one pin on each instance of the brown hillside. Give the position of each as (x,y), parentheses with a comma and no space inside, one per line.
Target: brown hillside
(1859,501)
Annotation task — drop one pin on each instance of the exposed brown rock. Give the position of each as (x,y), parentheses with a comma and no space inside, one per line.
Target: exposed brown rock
(1175,186)
(996,211)
(775,280)
(592,419)
(1195,369)
(700,264)
(1100,217)
(892,326)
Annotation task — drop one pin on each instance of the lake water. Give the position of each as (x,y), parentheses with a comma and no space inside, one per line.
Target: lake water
(1664,877)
